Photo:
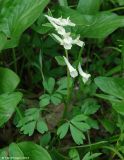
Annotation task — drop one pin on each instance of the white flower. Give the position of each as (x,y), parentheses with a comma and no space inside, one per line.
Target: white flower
(78,42)
(60,21)
(72,70)
(66,22)
(66,41)
(85,76)
(60,30)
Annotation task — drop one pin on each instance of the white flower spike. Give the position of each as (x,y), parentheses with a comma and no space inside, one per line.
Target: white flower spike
(85,76)
(65,40)
(72,70)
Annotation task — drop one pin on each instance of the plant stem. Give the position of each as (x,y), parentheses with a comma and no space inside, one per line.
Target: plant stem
(19,113)
(68,80)
(115,151)
(116,9)
(122,63)
(14,59)
(89,141)
(68,90)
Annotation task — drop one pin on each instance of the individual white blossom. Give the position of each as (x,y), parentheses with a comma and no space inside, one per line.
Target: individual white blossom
(66,41)
(60,29)
(72,70)
(60,21)
(78,42)
(85,76)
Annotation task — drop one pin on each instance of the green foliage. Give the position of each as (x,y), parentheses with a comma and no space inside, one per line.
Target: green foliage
(8,98)
(104,22)
(89,6)
(77,126)
(32,120)
(114,88)
(25,150)
(54,96)
(74,155)
(8,80)
(71,119)
(16,17)
(90,156)
(8,103)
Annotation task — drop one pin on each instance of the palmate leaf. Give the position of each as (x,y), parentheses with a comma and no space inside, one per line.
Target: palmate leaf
(77,127)
(8,103)
(15,17)
(32,121)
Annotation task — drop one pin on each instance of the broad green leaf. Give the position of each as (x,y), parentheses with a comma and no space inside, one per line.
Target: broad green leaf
(121,2)
(119,106)
(15,17)
(42,126)
(107,97)
(74,155)
(34,151)
(93,26)
(111,85)
(8,80)
(62,130)
(8,103)
(15,151)
(77,135)
(89,6)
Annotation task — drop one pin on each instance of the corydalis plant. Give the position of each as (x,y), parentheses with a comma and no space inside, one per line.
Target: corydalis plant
(65,39)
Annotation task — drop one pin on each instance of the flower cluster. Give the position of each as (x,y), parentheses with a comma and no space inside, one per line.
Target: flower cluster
(74,72)
(65,39)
